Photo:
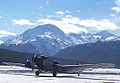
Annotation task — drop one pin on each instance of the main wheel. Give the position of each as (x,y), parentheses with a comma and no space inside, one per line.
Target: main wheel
(54,74)
(37,73)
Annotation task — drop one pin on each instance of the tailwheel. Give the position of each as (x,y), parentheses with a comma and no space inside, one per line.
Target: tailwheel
(54,74)
(37,73)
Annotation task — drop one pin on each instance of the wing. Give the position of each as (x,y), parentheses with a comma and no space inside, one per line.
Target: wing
(28,64)
(79,68)
(71,68)
(13,64)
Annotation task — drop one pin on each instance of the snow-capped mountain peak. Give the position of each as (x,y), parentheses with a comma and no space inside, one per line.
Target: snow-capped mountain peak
(49,39)
(5,36)
(104,34)
(40,30)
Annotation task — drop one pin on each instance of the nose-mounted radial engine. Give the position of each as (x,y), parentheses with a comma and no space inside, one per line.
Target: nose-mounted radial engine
(44,64)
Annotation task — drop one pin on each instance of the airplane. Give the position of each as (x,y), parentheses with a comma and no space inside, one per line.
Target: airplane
(43,63)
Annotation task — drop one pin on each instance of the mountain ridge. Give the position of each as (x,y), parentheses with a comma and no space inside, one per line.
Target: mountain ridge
(99,52)
(49,39)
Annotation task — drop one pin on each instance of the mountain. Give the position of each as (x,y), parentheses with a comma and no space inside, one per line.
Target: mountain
(49,39)
(100,36)
(20,57)
(76,38)
(99,52)
(104,34)
(6,36)
(13,56)
(41,30)
(114,38)
(88,37)
(43,39)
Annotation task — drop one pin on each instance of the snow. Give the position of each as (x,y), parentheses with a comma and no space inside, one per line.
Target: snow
(27,76)
(97,36)
(47,34)
(110,38)
(105,71)
(1,42)
(17,41)
(32,40)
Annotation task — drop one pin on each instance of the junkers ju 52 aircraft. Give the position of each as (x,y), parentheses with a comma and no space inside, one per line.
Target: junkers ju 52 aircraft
(43,63)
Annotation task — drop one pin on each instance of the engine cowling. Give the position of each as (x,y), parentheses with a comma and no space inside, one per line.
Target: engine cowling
(28,64)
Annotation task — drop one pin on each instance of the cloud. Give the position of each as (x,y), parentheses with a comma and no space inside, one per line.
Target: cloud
(113,15)
(68,24)
(22,22)
(67,11)
(3,32)
(47,2)
(118,0)
(41,7)
(103,24)
(59,13)
(117,9)
(71,20)
(64,26)
(116,12)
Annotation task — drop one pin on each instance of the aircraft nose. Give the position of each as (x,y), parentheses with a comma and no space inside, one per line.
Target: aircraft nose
(28,64)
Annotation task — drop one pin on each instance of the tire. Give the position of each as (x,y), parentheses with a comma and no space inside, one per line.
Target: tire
(54,74)
(37,73)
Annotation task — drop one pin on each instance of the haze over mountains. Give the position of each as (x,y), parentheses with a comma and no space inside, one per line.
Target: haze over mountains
(49,39)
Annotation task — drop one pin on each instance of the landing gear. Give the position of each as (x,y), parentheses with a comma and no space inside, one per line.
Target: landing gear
(78,73)
(37,73)
(54,74)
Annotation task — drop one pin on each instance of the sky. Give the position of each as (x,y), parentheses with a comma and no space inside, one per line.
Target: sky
(75,16)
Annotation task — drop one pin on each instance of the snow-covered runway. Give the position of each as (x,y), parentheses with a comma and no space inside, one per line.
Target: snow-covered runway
(21,75)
